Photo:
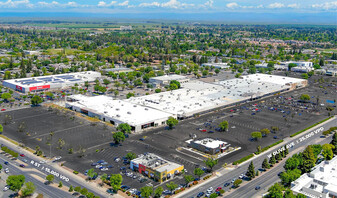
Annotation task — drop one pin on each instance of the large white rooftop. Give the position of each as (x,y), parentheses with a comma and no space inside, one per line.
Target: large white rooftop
(196,96)
(169,77)
(320,182)
(68,78)
(124,111)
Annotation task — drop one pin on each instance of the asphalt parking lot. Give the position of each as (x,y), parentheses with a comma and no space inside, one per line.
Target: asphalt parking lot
(283,111)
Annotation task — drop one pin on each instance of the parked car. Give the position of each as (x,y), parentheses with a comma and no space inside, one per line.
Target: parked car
(257,188)
(218,188)
(226,184)
(6,188)
(6,163)
(22,165)
(22,155)
(200,194)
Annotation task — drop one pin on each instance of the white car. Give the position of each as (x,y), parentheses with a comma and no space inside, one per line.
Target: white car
(210,189)
(6,188)
(6,170)
(104,169)
(58,158)
(42,161)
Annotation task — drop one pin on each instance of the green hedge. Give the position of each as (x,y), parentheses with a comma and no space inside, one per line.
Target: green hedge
(301,131)
(243,159)
(267,147)
(9,151)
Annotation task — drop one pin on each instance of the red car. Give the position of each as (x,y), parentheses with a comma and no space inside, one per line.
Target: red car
(22,155)
(3,109)
(203,130)
(219,188)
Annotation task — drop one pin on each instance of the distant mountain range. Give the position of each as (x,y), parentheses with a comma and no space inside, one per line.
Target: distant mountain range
(321,18)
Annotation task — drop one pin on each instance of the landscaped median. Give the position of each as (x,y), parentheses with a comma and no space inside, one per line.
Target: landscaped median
(301,131)
(243,159)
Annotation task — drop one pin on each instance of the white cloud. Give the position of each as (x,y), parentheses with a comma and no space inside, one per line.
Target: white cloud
(209,3)
(104,4)
(326,6)
(153,4)
(294,5)
(15,4)
(125,3)
(55,4)
(276,5)
(232,5)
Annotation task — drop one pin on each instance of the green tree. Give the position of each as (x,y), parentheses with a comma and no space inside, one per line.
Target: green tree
(171,186)
(188,178)
(305,97)
(291,163)
(334,143)
(175,82)
(272,160)
(265,164)
(90,195)
(124,127)
(77,189)
(305,76)
(223,125)
(50,178)
(198,172)
(118,137)
(213,195)
(146,191)
(171,122)
(300,196)
(256,135)
(15,182)
(251,171)
(129,95)
(289,194)
(60,184)
(6,96)
(237,183)
(289,176)
(91,173)
(275,191)
(327,151)
(84,191)
(106,82)
(71,188)
(116,181)
(36,100)
(309,159)
(211,162)
(28,189)
(130,156)
(1,128)
(158,192)
(157,90)
(265,131)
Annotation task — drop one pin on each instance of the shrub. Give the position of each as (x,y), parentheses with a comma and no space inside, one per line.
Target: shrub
(243,159)
(75,172)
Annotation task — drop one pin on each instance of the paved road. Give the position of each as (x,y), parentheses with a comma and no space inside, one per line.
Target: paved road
(269,178)
(43,167)
(46,190)
(226,175)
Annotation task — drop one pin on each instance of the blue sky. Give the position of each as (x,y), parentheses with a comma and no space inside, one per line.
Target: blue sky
(169,6)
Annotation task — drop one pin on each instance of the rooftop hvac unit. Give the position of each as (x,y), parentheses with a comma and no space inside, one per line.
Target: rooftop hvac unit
(146,109)
(117,109)
(129,112)
(118,115)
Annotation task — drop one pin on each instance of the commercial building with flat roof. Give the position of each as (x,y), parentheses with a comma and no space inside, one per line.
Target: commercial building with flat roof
(321,182)
(209,145)
(155,167)
(165,80)
(117,111)
(216,65)
(117,70)
(43,83)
